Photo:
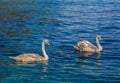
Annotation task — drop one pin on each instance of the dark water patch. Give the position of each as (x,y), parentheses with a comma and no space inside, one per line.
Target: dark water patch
(47,21)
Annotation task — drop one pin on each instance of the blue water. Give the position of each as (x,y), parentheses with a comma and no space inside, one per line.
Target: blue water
(25,23)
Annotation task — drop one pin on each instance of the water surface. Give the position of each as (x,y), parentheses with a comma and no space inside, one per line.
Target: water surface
(25,23)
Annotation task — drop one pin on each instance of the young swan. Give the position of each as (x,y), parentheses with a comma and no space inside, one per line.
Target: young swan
(86,46)
(30,57)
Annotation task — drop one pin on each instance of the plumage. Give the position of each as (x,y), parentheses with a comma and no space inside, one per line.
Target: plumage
(30,57)
(86,46)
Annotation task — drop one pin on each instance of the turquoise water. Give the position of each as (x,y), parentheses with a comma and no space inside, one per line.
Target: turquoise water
(25,23)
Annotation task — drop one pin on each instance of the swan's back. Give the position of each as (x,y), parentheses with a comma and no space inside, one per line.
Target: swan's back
(85,45)
(28,57)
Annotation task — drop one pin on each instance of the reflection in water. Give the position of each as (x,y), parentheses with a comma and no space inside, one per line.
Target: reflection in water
(19,63)
(84,55)
(38,67)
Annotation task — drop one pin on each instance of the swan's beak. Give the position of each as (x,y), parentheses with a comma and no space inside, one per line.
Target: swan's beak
(100,37)
(48,43)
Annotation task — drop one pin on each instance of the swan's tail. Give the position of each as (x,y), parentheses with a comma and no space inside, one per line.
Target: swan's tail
(12,57)
(76,47)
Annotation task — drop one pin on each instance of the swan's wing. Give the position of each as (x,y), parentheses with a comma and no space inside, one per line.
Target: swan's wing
(28,57)
(90,45)
(82,44)
(85,45)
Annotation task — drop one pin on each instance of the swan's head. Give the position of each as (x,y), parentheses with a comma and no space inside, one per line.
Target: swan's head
(98,36)
(46,41)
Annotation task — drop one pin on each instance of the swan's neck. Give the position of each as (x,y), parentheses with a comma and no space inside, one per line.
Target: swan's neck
(44,52)
(99,47)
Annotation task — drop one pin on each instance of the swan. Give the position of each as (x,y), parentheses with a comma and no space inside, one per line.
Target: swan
(86,46)
(30,57)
